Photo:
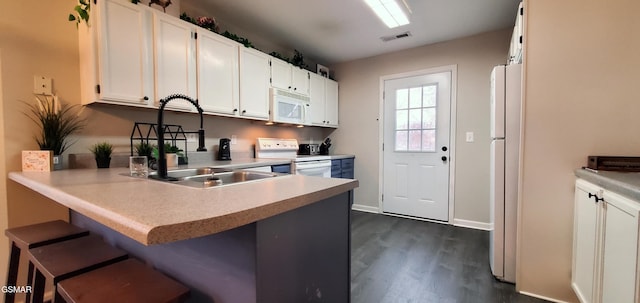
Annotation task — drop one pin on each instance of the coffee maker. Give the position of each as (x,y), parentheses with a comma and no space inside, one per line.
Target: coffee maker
(224,149)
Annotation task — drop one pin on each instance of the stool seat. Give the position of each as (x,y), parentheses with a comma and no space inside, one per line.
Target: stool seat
(125,281)
(62,260)
(32,236)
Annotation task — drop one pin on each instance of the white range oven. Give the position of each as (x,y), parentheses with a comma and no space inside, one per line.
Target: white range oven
(308,165)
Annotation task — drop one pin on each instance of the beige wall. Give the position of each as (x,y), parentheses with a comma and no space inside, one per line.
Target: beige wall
(359,111)
(582,71)
(4,221)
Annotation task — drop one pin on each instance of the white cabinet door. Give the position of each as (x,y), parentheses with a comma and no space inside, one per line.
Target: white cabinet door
(280,74)
(300,80)
(116,55)
(585,240)
(620,249)
(316,96)
(175,59)
(254,84)
(218,89)
(331,103)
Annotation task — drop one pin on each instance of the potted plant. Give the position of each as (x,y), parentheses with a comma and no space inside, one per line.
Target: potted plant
(81,12)
(172,153)
(102,152)
(144,149)
(57,122)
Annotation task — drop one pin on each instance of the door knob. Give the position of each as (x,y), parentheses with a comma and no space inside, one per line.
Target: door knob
(444,158)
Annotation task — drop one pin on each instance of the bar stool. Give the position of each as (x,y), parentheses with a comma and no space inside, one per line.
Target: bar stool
(63,260)
(32,236)
(126,281)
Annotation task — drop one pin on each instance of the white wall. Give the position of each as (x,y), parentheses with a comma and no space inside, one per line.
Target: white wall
(359,111)
(582,97)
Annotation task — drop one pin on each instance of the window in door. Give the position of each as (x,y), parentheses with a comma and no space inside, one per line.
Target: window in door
(415,129)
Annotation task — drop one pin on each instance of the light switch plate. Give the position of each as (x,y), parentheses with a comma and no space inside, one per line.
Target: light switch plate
(469,136)
(42,85)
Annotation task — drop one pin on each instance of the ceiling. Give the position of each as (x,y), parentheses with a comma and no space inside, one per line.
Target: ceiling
(333,31)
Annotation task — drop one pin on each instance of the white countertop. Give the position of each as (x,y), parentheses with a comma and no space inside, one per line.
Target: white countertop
(153,212)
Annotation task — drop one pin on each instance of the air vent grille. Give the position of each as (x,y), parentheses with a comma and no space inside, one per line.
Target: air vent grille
(395,37)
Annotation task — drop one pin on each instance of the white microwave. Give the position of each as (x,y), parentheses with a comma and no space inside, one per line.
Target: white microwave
(287,107)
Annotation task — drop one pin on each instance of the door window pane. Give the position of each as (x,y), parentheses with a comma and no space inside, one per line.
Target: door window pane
(429,95)
(429,140)
(429,118)
(402,98)
(401,140)
(415,140)
(416,117)
(402,119)
(415,97)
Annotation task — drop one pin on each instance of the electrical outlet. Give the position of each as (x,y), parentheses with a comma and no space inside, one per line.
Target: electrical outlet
(192,138)
(469,136)
(234,139)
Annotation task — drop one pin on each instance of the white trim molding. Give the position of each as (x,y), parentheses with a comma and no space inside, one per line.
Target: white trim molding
(472,224)
(542,297)
(365,208)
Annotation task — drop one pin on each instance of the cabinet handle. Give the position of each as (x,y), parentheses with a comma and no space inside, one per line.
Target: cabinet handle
(289,87)
(235,110)
(145,98)
(244,111)
(295,88)
(595,196)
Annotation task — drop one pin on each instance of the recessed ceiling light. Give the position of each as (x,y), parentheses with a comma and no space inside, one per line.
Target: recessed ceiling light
(389,12)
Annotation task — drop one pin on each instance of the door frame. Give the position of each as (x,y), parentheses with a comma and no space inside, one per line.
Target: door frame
(452,134)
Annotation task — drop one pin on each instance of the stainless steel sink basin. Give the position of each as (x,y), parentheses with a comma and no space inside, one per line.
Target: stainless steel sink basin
(209,177)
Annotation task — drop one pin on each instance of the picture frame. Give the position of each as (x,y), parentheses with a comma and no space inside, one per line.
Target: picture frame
(322,71)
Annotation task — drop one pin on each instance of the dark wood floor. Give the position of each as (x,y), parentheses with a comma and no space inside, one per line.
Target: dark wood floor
(402,260)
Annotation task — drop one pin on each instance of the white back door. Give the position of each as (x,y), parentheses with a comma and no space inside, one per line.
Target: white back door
(416,146)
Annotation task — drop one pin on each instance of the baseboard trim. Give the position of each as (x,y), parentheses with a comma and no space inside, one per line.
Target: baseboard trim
(542,297)
(472,224)
(365,208)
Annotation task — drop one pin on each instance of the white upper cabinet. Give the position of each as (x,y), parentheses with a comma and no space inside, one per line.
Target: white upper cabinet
(300,80)
(331,102)
(254,84)
(281,74)
(317,103)
(175,60)
(218,89)
(288,77)
(116,54)
(323,92)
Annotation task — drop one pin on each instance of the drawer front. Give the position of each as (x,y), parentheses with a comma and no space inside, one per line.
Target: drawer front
(347,163)
(284,168)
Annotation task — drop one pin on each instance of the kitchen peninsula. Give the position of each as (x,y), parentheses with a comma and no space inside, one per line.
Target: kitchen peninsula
(283,239)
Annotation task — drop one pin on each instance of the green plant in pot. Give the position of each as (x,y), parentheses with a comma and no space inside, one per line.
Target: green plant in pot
(57,122)
(102,152)
(81,12)
(144,149)
(172,154)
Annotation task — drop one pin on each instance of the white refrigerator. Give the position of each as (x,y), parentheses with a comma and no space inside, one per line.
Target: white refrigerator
(506,103)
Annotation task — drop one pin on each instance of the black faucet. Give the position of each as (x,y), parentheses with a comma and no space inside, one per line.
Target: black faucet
(162,162)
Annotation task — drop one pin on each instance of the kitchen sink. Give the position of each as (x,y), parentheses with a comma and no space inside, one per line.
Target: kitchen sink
(210,177)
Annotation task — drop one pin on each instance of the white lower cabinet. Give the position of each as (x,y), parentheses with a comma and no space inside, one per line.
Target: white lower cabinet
(605,245)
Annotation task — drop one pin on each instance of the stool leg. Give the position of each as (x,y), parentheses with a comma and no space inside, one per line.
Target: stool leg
(29,281)
(38,287)
(12,275)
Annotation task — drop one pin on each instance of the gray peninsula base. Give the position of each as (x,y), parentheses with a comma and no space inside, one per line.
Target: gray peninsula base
(302,255)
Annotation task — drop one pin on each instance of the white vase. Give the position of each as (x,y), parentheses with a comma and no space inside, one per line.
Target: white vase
(172,160)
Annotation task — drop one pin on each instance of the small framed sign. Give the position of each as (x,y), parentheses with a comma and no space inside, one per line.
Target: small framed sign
(323,71)
(37,160)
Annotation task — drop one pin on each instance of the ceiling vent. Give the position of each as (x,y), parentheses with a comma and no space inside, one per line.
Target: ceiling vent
(394,37)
